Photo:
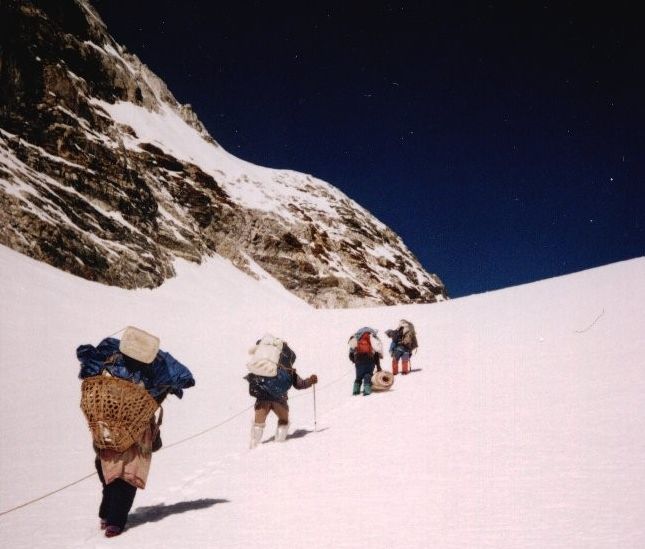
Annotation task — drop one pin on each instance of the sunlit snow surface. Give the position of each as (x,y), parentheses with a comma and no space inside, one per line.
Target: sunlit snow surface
(521,427)
(251,185)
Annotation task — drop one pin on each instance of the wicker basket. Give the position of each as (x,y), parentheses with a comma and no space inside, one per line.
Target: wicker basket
(117,411)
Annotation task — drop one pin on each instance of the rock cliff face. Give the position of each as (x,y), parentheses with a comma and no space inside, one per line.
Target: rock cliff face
(105,175)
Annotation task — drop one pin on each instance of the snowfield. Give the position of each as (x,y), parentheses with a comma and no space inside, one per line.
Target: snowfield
(521,426)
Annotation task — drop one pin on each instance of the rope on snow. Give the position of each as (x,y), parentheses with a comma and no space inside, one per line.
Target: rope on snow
(44,496)
(590,325)
(182,441)
(47,495)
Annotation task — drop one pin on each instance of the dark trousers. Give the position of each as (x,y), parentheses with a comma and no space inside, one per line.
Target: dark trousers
(263,407)
(364,372)
(118,497)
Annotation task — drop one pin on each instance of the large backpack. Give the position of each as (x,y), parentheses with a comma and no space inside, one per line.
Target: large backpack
(408,335)
(267,354)
(365,342)
(364,345)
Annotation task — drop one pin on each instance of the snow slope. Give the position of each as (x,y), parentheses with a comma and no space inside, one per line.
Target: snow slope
(522,426)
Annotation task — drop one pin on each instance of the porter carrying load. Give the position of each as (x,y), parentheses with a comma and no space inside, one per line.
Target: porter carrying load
(124,384)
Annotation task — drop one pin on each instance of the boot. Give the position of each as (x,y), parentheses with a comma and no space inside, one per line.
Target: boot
(357,388)
(256,434)
(111,531)
(367,389)
(395,366)
(405,366)
(281,433)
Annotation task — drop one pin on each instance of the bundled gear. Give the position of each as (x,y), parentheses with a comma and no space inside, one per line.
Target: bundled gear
(408,335)
(275,386)
(139,345)
(365,351)
(163,375)
(267,354)
(382,381)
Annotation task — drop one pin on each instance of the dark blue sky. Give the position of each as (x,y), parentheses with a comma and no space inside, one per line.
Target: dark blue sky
(504,144)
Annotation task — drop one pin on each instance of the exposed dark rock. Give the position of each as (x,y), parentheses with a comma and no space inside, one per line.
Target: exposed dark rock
(83,192)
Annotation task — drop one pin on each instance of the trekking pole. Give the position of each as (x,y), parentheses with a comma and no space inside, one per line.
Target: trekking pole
(315,422)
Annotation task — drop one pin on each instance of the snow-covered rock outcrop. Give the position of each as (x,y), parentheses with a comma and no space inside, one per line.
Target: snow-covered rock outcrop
(105,175)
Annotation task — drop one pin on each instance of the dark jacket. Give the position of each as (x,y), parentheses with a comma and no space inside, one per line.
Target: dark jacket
(365,361)
(256,390)
(397,346)
(396,335)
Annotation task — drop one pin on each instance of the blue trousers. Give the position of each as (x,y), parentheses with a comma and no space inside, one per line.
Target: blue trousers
(400,352)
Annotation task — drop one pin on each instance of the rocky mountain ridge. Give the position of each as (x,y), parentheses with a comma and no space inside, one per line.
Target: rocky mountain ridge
(105,175)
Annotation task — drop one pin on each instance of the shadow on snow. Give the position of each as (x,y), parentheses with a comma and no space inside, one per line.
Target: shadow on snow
(298,433)
(155,513)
